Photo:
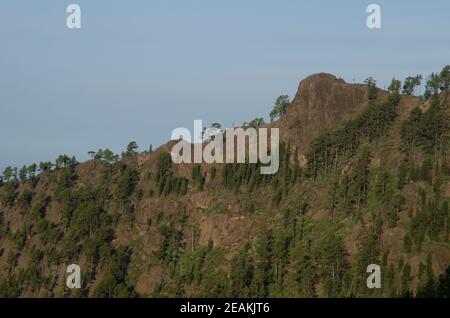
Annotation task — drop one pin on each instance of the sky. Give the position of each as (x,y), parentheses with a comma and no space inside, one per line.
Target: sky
(136,70)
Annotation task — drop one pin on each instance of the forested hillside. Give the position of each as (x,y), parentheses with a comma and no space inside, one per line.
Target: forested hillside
(363,179)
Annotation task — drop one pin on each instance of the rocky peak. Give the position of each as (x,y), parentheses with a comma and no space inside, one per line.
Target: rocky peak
(322,100)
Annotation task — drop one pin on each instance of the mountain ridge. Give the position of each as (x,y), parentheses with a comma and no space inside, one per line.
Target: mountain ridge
(144,226)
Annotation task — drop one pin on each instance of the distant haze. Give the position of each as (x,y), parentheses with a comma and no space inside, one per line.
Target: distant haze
(138,69)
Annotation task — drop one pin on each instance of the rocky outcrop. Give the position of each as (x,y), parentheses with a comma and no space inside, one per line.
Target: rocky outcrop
(322,100)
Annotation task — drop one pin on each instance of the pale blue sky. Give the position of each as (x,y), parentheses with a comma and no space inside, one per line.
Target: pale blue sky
(138,69)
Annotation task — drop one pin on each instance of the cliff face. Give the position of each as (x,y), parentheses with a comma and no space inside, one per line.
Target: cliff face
(322,101)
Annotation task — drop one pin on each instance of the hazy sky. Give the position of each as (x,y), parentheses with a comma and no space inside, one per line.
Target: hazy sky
(138,69)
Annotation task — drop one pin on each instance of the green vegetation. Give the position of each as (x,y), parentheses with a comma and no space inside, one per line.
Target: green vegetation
(330,148)
(280,108)
(372,189)
(410,83)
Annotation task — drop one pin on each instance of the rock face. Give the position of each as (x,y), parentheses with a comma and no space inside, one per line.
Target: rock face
(322,100)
